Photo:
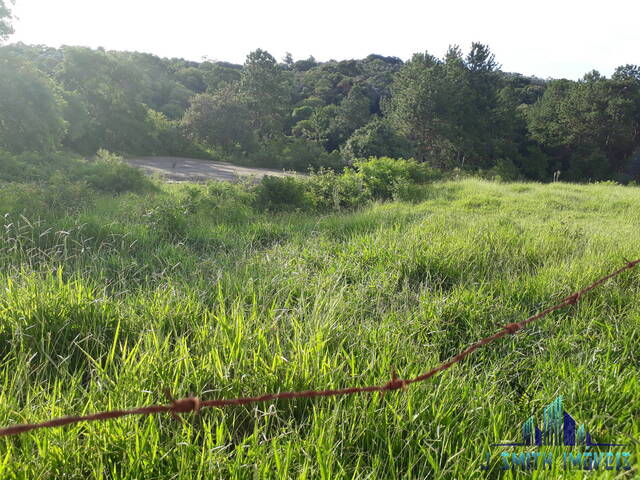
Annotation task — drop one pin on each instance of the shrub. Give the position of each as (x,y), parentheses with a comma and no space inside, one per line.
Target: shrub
(220,201)
(109,173)
(168,219)
(61,192)
(379,174)
(169,137)
(26,199)
(503,170)
(32,199)
(326,190)
(298,154)
(281,194)
(376,139)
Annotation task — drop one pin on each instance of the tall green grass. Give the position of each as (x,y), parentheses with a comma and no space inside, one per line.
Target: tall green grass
(106,305)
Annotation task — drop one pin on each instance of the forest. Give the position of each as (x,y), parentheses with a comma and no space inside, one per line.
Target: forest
(455,112)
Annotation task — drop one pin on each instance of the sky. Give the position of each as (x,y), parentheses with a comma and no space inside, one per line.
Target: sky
(546,38)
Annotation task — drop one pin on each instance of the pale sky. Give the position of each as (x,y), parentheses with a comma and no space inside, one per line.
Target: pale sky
(546,38)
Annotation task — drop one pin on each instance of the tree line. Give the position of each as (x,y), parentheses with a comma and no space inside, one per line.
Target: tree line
(455,111)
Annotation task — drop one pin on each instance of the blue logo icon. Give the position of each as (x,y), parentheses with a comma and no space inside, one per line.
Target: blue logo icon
(558,428)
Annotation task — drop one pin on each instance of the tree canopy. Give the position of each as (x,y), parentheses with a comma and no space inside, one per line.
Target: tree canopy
(455,111)
(5,20)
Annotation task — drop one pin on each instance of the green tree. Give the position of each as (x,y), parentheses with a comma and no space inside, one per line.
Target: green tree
(110,90)
(591,126)
(480,126)
(31,108)
(219,119)
(216,75)
(427,104)
(267,92)
(354,111)
(376,139)
(5,20)
(321,127)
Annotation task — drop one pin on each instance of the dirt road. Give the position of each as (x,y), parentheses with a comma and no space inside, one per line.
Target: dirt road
(180,169)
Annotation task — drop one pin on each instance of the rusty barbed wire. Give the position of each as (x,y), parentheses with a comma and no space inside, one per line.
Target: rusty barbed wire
(194,404)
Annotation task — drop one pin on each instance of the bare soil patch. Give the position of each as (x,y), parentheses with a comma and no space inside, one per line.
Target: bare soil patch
(179,169)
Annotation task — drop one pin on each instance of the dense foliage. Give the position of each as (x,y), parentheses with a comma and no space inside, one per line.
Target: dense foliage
(5,20)
(459,111)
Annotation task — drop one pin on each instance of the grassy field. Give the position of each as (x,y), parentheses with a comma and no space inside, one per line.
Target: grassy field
(106,305)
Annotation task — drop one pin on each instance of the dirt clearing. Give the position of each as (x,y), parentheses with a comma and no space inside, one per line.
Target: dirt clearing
(179,169)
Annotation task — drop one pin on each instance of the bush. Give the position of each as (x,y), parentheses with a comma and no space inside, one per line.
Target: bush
(290,153)
(281,194)
(376,139)
(380,174)
(326,191)
(221,201)
(504,170)
(25,199)
(33,167)
(168,219)
(61,192)
(169,138)
(109,173)
(32,199)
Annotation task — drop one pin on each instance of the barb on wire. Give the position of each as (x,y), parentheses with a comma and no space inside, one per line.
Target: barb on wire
(194,404)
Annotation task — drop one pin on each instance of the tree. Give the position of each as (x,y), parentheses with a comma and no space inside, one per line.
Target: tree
(217,75)
(320,127)
(591,126)
(5,20)
(219,119)
(31,109)
(482,103)
(426,106)
(376,139)
(110,90)
(354,111)
(267,91)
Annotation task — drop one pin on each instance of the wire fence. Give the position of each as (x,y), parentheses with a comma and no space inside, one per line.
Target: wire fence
(194,404)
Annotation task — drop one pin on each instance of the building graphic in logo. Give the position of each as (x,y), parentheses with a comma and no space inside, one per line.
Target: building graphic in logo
(558,428)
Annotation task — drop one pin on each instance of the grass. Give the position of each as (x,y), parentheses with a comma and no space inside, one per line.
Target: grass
(101,309)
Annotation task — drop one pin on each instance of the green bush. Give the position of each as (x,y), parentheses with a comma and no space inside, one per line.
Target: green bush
(328,191)
(32,167)
(281,194)
(290,153)
(379,174)
(108,173)
(22,198)
(168,219)
(61,192)
(325,190)
(376,139)
(220,201)
(34,199)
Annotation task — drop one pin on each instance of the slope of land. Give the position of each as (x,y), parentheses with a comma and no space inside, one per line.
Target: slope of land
(108,306)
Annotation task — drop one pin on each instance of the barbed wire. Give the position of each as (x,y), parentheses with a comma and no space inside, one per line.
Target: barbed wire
(194,404)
